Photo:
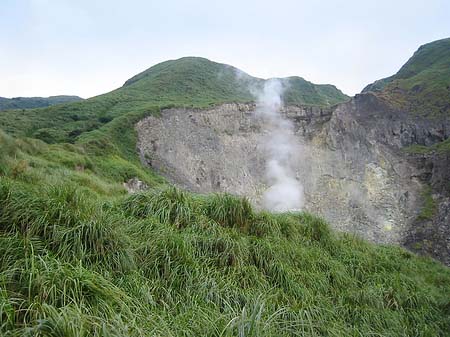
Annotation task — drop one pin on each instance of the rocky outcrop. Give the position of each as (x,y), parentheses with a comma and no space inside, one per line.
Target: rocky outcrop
(135,185)
(393,127)
(396,130)
(351,164)
(430,234)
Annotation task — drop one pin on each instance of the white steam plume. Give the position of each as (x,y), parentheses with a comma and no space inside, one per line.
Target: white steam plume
(285,193)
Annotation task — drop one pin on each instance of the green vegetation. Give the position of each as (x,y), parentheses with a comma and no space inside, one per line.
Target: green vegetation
(34,102)
(81,257)
(300,91)
(429,205)
(187,82)
(36,162)
(80,263)
(422,85)
(441,147)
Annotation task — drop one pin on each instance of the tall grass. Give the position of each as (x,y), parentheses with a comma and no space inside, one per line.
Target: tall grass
(82,258)
(228,210)
(169,206)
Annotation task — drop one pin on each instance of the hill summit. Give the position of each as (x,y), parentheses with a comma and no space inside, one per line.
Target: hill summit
(200,78)
(422,85)
(186,82)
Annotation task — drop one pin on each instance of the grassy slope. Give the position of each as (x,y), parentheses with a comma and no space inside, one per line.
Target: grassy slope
(79,257)
(35,102)
(185,82)
(422,85)
(300,91)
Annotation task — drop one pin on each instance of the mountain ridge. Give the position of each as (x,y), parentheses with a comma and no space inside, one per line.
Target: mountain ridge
(422,84)
(229,80)
(35,102)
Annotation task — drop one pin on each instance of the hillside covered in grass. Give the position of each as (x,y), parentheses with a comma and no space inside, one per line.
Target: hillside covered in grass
(422,85)
(190,81)
(80,257)
(35,102)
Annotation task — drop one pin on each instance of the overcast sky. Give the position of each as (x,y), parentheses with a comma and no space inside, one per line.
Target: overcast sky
(89,47)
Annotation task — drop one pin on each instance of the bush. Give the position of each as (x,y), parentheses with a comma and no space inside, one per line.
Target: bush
(50,135)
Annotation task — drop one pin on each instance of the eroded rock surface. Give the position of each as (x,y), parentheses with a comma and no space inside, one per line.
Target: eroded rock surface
(431,235)
(350,165)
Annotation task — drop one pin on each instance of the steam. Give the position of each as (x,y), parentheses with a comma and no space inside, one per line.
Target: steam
(285,193)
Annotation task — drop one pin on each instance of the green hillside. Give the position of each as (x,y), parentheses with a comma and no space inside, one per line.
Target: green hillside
(198,79)
(299,91)
(81,257)
(189,81)
(422,85)
(35,102)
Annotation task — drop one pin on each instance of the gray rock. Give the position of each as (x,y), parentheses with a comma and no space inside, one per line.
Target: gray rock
(350,161)
(135,185)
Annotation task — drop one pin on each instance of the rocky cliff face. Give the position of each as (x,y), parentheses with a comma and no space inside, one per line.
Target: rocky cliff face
(351,162)
(430,232)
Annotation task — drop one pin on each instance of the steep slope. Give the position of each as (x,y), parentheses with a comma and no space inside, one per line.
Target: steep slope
(420,95)
(35,102)
(189,81)
(348,176)
(422,85)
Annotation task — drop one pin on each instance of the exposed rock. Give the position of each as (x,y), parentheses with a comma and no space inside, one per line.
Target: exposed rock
(351,165)
(135,185)
(432,235)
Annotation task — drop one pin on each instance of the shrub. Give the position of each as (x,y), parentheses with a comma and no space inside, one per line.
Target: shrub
(19,168)
(50,135)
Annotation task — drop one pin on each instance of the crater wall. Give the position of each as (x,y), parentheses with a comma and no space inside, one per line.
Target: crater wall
(359,184)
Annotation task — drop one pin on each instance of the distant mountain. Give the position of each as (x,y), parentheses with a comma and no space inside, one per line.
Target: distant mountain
(189,81)
(422,85)
(35,102)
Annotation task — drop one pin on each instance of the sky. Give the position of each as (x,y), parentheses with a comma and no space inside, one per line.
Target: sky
(89,47)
